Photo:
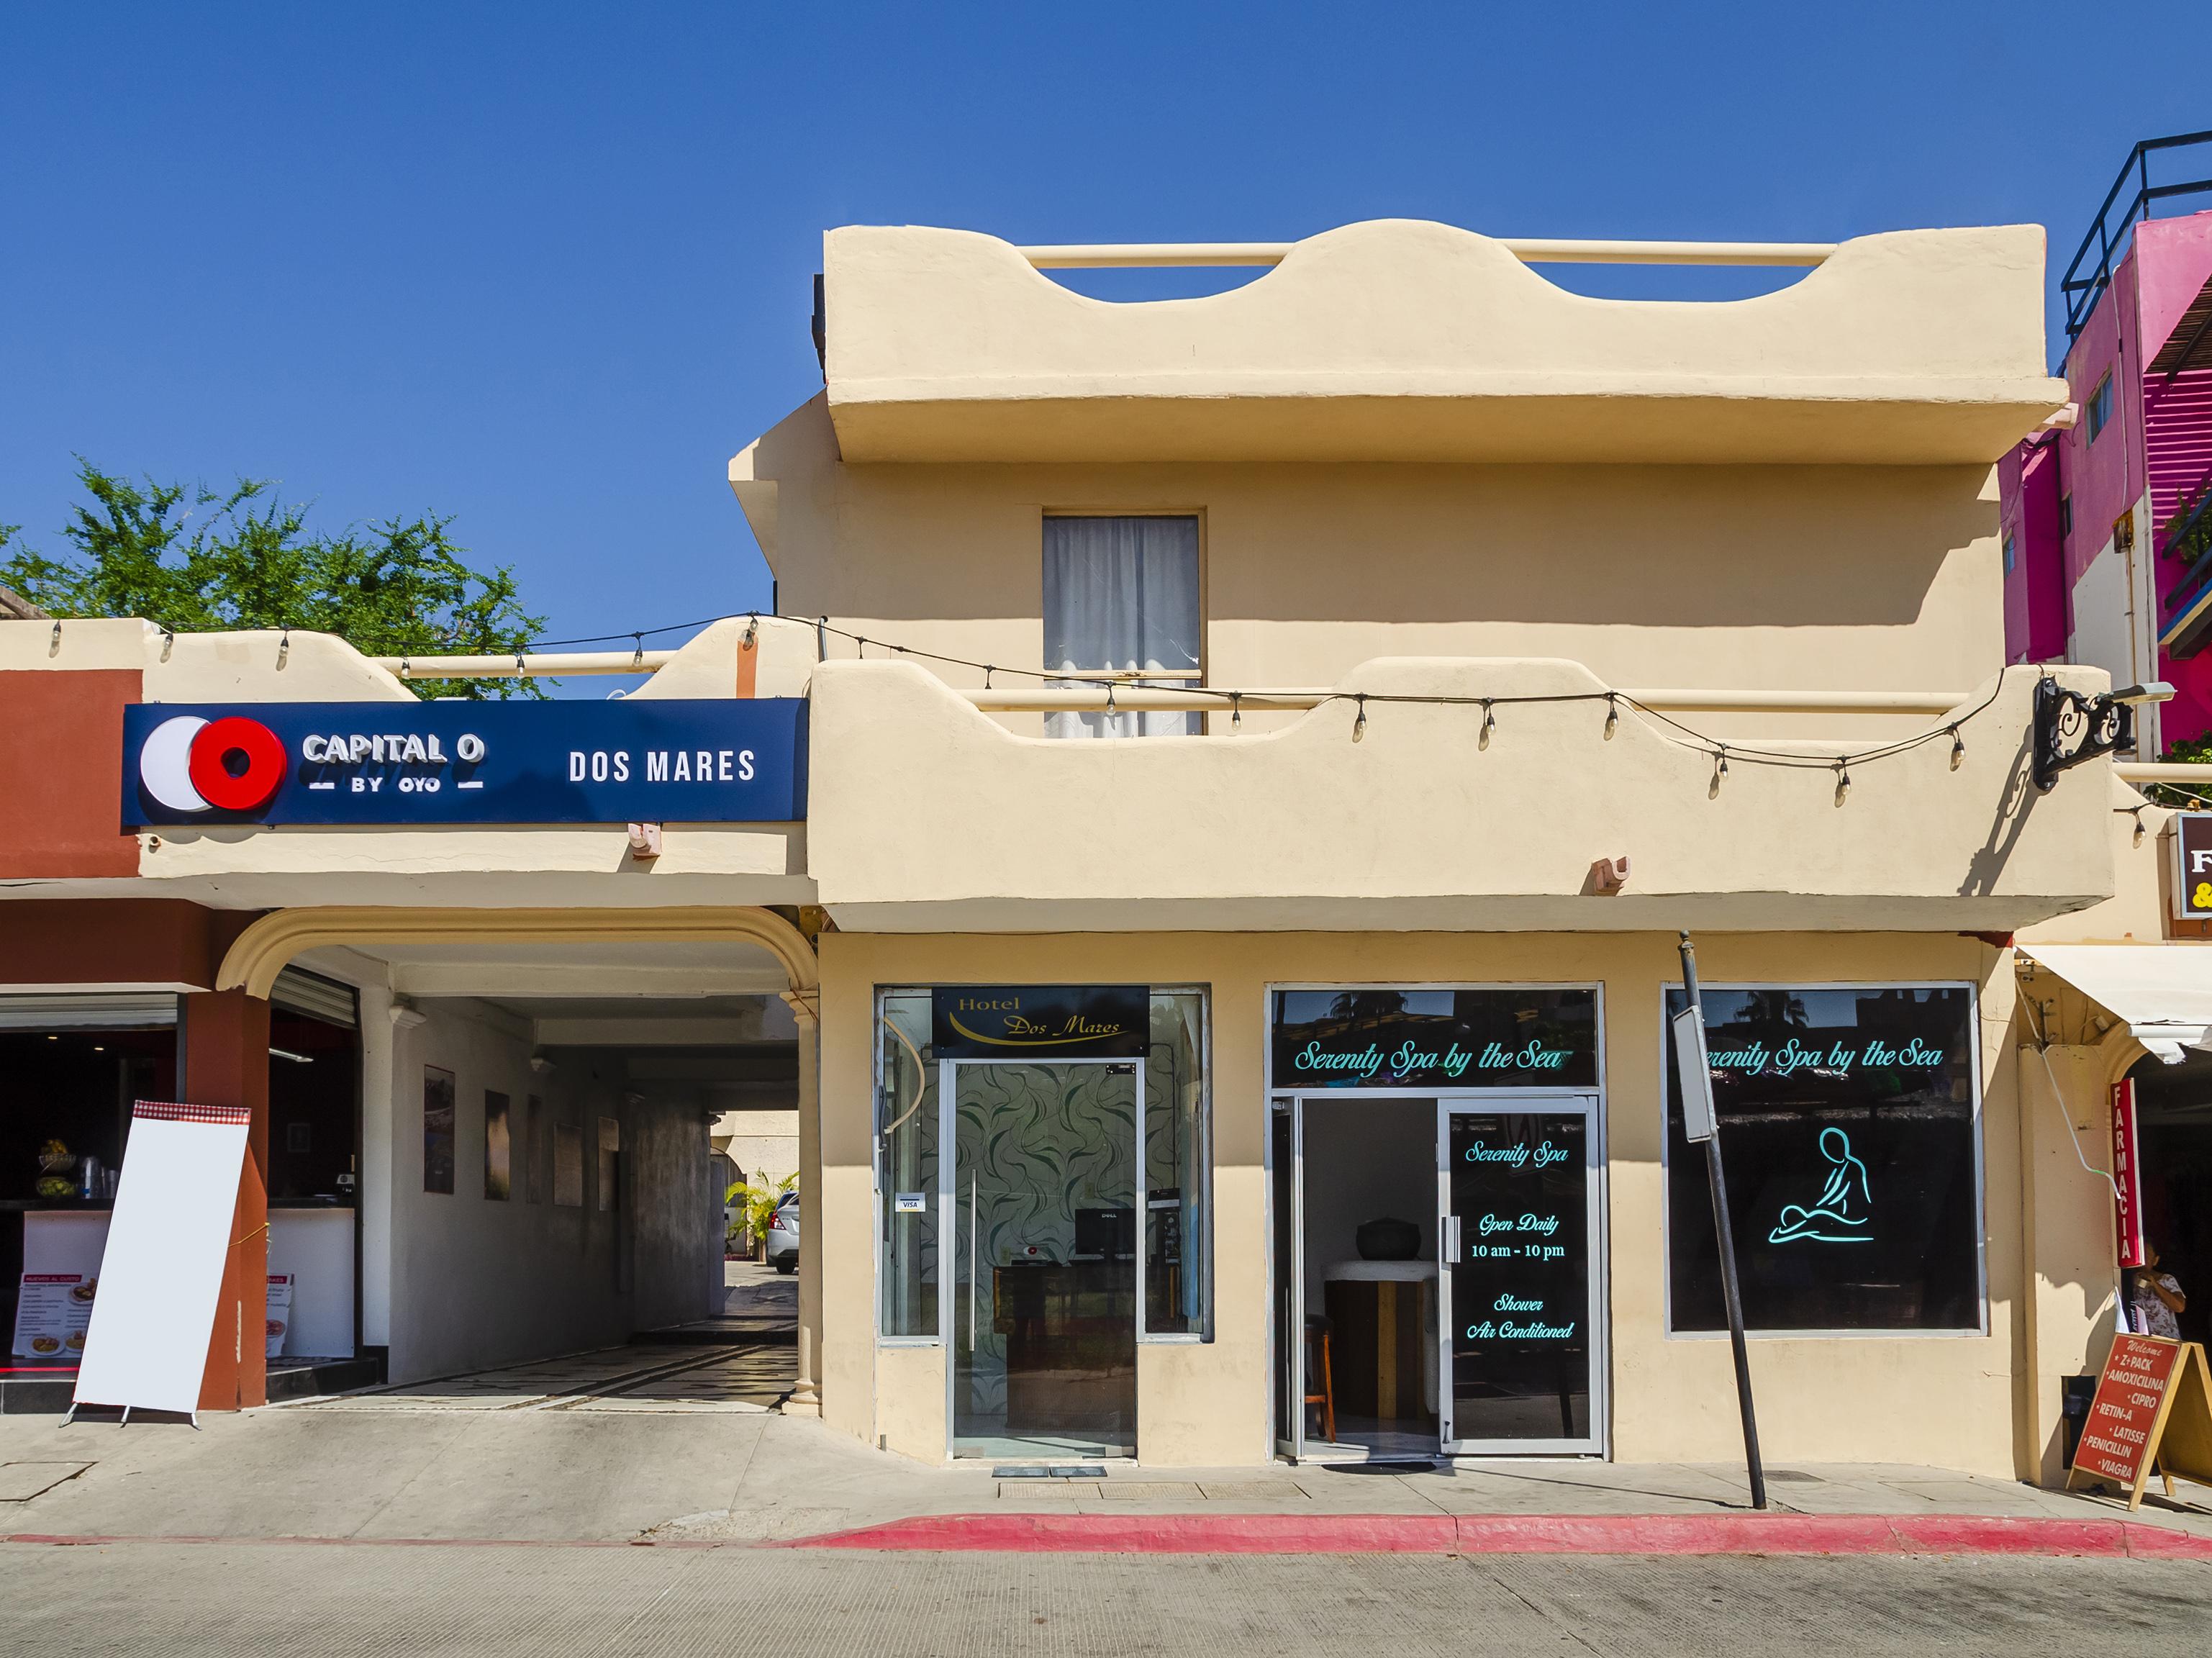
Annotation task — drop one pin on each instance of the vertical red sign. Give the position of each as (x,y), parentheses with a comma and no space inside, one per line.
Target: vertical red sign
(2127,1177)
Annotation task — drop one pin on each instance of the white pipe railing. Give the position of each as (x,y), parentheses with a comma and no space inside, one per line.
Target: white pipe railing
(1101,256)
(542,665)
(1052,699)
(2132,771)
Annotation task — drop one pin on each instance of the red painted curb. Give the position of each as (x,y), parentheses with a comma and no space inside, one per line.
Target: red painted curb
(1676,1533)
(1652,1534)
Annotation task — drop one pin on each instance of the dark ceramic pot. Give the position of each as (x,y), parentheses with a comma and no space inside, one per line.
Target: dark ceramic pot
(1387,1239)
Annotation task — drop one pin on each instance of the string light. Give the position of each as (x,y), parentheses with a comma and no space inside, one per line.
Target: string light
(1720,770)
(1668,727)
(2139,826)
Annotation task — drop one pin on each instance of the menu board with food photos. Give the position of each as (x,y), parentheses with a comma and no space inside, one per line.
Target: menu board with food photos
(52,1310)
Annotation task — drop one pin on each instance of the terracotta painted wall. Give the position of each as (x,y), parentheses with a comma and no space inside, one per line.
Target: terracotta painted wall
(61,774)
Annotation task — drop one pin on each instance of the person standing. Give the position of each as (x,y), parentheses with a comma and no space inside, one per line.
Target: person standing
(2155,1300)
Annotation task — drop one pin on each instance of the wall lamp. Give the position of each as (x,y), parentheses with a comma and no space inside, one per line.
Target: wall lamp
(2072,729)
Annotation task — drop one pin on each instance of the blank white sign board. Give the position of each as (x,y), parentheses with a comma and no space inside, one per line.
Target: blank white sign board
(161,1277)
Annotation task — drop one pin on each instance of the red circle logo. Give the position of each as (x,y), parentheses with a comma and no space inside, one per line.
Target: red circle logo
(236,763)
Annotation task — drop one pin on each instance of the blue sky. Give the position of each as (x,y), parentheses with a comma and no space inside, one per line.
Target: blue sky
(545,268)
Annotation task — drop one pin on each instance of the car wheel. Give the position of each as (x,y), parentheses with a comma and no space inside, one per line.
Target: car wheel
(786,1266)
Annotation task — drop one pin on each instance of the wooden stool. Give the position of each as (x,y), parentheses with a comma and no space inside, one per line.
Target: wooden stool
(1317,1337)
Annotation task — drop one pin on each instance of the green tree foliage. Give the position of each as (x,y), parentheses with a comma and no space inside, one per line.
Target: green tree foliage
(199,560)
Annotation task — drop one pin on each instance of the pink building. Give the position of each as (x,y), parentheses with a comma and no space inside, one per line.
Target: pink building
(2106,529)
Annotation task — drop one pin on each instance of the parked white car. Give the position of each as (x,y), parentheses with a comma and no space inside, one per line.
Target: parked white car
(783,1234)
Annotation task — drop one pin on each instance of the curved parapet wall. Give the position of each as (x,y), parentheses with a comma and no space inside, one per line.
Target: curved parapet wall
(1406,340)
(927,816)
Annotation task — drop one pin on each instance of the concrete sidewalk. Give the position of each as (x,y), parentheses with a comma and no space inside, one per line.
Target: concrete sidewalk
(499,1457)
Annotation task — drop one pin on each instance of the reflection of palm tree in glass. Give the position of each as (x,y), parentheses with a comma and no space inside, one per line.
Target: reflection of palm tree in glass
(1374,1007)
(1773,1010)
(1367,1003)
(1840,1214)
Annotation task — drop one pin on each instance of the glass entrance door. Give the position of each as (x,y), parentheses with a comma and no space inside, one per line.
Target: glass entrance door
(1524,1312)
(1042,1195)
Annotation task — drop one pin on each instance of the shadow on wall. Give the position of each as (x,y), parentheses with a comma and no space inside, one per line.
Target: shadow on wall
(2015,806)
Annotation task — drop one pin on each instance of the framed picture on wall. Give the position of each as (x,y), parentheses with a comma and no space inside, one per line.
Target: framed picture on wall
(437,1130)
(498,1156)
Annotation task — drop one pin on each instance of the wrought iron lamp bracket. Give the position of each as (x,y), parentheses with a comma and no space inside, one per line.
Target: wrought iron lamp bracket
(2072,729)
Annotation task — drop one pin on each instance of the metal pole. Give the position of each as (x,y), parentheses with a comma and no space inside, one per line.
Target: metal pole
(1717,1181)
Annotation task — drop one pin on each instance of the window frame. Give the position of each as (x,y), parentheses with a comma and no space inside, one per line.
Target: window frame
(2096,411)
(1205,577)
(1962,1333)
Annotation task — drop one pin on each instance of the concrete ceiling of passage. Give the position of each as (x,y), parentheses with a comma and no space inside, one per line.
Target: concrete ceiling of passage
(562,954)
(598,970)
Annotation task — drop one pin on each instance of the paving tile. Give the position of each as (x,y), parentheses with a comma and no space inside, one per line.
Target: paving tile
(1253,1490)
(22,1481)
(1149,1490)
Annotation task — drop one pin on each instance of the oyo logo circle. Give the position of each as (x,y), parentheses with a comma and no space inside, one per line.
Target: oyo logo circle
(231,764)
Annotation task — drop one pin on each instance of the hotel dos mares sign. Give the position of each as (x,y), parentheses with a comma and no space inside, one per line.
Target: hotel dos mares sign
(634,760)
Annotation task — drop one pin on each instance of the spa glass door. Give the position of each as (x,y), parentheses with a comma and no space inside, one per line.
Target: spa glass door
(1519,1183)
(1042,1195)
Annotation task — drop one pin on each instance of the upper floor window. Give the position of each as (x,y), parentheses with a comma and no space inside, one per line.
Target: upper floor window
(2100,405)
(1122,593)
(2011,551)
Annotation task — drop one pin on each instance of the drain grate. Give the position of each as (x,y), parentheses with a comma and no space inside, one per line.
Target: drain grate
(1791,1477)
(1057,1471)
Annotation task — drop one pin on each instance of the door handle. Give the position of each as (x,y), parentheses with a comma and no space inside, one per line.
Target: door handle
(1451,1239)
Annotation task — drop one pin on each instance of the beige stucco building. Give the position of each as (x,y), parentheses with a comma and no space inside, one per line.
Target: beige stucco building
(1260,752)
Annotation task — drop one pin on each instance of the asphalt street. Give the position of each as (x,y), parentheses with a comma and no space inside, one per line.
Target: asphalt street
(181,1599)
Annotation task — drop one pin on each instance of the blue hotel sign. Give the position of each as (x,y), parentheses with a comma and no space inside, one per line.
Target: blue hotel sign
(634,760)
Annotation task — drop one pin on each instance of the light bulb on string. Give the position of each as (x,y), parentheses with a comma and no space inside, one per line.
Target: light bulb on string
(1720,771)
(2139,826)
(1958,749)
(1843,778)
(1360,721)
(1489,725)
(1235,709)
(1612,716)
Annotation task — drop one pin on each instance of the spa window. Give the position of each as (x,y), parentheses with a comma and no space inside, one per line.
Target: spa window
(1848,1127)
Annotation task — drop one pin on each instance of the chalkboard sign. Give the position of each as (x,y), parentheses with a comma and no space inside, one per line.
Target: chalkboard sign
(2153,1411)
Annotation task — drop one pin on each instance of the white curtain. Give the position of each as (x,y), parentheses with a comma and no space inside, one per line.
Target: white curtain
(1122,593)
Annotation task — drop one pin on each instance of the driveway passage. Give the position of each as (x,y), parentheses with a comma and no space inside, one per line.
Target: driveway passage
(181,1600)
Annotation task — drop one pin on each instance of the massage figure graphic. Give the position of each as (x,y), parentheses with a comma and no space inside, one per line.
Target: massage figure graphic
(1839,1214)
